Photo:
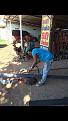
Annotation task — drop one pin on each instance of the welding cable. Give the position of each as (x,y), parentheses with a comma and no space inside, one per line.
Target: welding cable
(38,69)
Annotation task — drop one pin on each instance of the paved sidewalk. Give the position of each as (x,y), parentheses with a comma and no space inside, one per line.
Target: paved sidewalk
(56,88)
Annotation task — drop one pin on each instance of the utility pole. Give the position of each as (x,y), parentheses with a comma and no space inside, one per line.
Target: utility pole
(20,17)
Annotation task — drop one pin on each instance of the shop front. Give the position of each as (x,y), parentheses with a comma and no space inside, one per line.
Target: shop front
(54,35)
(59,37)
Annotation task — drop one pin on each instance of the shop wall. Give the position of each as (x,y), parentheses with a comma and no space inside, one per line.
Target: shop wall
(35,31)
(6,33)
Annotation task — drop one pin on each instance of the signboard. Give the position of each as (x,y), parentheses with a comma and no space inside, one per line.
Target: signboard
(45,31)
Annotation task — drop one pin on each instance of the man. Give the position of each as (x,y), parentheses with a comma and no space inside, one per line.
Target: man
(42,55)
(30,42)
(28,45)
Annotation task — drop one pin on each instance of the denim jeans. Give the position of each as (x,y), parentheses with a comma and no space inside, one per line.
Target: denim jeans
(45,70)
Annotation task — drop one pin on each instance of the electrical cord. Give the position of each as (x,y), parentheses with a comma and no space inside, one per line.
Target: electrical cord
(38,69)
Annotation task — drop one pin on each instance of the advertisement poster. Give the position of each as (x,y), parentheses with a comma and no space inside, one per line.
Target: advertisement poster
(45,31)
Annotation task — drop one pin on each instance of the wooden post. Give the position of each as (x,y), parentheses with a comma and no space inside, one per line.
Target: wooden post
(21,32)
(10,32)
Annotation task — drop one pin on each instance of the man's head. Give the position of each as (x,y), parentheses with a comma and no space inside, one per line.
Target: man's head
(27,38)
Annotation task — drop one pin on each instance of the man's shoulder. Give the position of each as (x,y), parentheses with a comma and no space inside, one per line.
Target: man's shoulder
(37,49)
(34,51)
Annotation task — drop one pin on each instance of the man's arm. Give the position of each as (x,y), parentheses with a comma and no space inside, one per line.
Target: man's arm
(34,63)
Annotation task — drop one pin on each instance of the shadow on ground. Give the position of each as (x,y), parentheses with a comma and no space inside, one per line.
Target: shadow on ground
(58,77)
(52,102)
(3,45)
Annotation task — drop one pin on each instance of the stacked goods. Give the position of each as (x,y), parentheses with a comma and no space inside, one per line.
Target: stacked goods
(60,44)
(55,46)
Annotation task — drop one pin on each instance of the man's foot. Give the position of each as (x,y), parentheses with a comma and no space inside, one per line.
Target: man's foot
(40,83)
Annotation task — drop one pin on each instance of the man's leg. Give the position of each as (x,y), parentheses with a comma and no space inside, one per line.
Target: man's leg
(46,69)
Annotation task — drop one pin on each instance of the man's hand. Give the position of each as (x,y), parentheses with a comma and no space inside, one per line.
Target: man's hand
(29,70)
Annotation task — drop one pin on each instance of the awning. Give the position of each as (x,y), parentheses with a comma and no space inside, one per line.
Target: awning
(33,20)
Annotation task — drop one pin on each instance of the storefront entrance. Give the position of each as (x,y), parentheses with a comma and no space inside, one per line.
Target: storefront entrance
(60,44)
(59,40)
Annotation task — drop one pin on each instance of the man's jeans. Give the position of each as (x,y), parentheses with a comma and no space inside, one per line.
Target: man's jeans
(44,72)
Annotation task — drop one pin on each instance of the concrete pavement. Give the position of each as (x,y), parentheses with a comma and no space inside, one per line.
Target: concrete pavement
(56,88)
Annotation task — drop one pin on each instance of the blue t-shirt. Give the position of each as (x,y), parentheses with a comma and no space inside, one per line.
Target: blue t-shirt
(43,55)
